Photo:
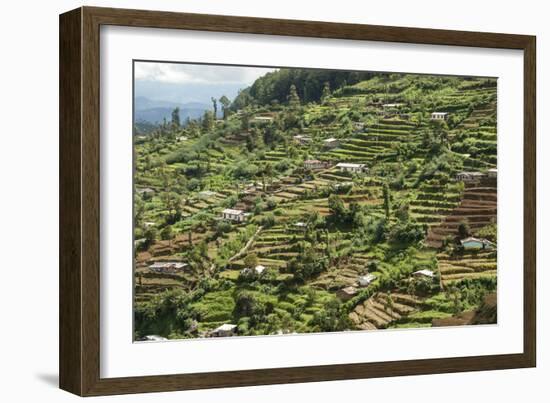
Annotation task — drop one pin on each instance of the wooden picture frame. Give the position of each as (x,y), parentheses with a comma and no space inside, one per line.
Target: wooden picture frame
(80,185)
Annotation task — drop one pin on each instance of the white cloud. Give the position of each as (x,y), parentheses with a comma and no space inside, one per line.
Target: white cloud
(178,73)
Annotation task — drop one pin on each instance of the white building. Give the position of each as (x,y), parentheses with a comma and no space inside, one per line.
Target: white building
(259,269)
(301,139)
(234,215)
(142,191)
(472,243)
(206,194)
(358,126)
(261,119)
(351,167)
(346,293)
(424,273)
(139,242)
(331,142)
(469,176)
(439,116)
(341,185)
(153,337)
(168,267)
(227,329)
(392,106)
(250,188)
(315,164)
(364,281)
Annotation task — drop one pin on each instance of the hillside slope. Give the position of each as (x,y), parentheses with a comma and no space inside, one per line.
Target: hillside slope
(315,223)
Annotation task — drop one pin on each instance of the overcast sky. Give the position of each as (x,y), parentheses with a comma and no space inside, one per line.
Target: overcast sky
(177,82)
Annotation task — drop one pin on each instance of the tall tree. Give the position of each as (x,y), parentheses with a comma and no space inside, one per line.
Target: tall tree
(337,207)
(245,121)
(463,229)
(388,304)
(326,92)
(269,172)
(387,202)
(215,105)
(150,235)
(176,118)
(225,105)
(207,120)
(293,98)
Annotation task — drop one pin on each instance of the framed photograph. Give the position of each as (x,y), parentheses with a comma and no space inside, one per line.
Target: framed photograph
(249,201)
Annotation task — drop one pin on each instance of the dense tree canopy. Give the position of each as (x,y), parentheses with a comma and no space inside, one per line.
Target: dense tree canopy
(310,85)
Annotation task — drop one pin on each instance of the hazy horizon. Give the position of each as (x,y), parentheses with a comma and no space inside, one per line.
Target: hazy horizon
(182,83)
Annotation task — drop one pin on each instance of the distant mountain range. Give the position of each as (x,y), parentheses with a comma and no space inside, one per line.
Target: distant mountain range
(155,111)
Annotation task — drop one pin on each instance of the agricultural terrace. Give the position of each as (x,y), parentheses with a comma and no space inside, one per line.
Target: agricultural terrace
(374,247)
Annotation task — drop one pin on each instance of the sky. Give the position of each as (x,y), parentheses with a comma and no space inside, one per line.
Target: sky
(184,83)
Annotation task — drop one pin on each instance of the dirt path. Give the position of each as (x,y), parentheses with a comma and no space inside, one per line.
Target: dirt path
(243,250)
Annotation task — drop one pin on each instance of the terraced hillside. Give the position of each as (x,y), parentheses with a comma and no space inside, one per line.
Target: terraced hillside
(381,310)
(377,142)
(434,201)
(321,201)
(474,265)
(477,209)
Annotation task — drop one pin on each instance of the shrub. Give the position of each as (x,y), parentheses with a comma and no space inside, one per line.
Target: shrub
(230,201)
(222,227)
(406,232)
(271,204)
(488,232)
(463,230)
(166,233)
(337,208)
(251,260)
(268,220)
(331,318)
(282,165)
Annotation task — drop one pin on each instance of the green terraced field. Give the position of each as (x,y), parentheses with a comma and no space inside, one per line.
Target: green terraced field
(317,232)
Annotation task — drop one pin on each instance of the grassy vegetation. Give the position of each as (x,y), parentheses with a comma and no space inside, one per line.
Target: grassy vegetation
(318,231)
